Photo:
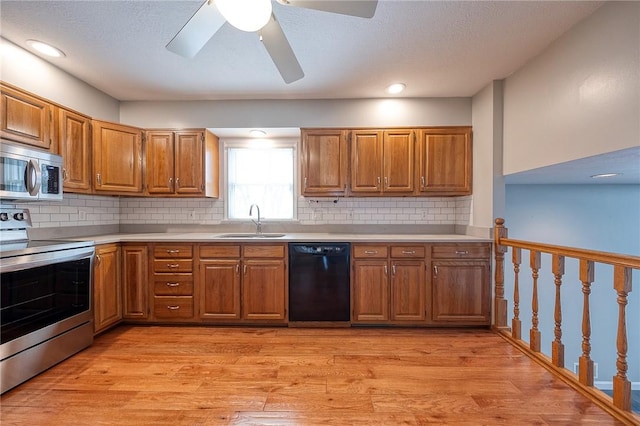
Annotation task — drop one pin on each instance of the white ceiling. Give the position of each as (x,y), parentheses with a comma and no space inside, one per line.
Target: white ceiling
(438,48)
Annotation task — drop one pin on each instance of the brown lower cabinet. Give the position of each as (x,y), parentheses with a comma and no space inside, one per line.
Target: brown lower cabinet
(107,287)
(242,282)
(431,284)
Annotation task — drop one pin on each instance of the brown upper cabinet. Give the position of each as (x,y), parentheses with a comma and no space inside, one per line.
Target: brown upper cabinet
(182,163)
(324,162)
(74,145)
(445,161)
(25,118)
(382,162)
(117,158)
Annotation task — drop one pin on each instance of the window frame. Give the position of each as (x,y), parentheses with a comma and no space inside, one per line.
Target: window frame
(260,143)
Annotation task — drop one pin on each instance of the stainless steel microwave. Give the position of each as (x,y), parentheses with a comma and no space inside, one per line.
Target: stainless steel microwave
(29,173)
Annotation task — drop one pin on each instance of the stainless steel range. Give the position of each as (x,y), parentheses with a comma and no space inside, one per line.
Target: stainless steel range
(45,312)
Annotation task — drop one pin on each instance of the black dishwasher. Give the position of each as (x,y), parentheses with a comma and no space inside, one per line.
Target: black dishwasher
(319,281)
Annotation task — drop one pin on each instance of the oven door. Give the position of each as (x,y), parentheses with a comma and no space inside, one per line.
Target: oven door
(43,295)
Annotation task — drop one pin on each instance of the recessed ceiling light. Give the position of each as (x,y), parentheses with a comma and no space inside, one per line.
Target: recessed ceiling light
(45,48)
(605,175)
(395,88)
(256,133)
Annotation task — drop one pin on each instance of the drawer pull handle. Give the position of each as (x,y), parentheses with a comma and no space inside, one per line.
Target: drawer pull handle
(385,270)
(173,265)
(173,251)
(435,270)
(173,307)
(393,270)
(462,252)
(173,284)
(408,252)
(371,252)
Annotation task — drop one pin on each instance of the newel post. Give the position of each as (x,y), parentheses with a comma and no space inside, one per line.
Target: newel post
(500,303)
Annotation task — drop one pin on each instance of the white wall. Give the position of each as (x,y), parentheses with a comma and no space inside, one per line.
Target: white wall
(27,71)
(597,217)
(488,182)
(299,113)
(580,97)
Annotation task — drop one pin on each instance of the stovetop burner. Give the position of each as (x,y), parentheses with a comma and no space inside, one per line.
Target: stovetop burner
(14,240)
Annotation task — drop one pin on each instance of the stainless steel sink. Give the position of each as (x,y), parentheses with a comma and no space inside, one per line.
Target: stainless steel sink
(251,235)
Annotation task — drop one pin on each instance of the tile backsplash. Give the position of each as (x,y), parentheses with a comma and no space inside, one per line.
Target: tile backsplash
(90,210)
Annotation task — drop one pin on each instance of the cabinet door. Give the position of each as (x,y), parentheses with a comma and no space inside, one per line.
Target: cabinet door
(408,286)
(25,118)
(370,296)
(107,287)
(263,290)
(461,292)
(117,158)
(189,162)
(159,167)
(75,148)
(445,161)
(366,161)
(399,154)
(135,272)
(324,162)
(219,289)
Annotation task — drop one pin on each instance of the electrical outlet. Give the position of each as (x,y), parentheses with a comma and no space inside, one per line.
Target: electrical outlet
(82,215)
(192,215)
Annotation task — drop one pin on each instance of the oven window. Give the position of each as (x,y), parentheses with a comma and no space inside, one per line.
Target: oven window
(37,297)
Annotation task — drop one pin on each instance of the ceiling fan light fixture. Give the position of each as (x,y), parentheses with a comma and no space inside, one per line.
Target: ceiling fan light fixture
(395,88)
(245,15)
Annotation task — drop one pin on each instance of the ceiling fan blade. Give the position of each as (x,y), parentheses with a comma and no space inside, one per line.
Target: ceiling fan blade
(197,31)
(280,51)
(361,8)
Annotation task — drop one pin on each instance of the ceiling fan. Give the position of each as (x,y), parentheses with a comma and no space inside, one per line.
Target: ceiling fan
(257,16)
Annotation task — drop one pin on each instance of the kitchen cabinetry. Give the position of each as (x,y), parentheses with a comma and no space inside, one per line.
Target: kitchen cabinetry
(74,145)
(117,158)
(219,282)
(107,287)
(324,162)
(242,282)
(172,282)
(388,283)
(382,162)
(25,118)
(135,273)
(445,159)
(460,275)
(181,163)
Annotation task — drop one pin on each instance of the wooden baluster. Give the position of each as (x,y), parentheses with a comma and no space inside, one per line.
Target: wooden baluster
(557,347)
(516,324)
(621,385)
(534,334)
(500,303)
(585,374)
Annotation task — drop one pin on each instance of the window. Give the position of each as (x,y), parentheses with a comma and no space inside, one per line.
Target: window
(262,176)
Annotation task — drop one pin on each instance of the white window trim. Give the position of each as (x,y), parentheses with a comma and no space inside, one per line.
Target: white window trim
(244,143)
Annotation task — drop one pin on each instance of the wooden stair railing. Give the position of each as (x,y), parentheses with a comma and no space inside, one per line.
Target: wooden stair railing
(620,405)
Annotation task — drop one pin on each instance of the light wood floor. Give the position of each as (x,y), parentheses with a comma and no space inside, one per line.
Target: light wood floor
(373,376)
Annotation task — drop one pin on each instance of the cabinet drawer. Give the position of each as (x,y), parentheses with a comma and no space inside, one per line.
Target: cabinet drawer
(370,251)
(262,251)
(172,251)
(173,307)
(217,252)
(173,285)
(407,251)
(461,251)
(172,265)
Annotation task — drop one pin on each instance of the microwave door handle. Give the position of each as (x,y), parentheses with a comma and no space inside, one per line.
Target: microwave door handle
(33,177)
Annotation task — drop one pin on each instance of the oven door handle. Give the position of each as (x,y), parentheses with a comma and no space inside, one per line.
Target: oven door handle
(33,177)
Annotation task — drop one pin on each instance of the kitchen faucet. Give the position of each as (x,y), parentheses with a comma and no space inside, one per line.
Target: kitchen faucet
(258,223)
